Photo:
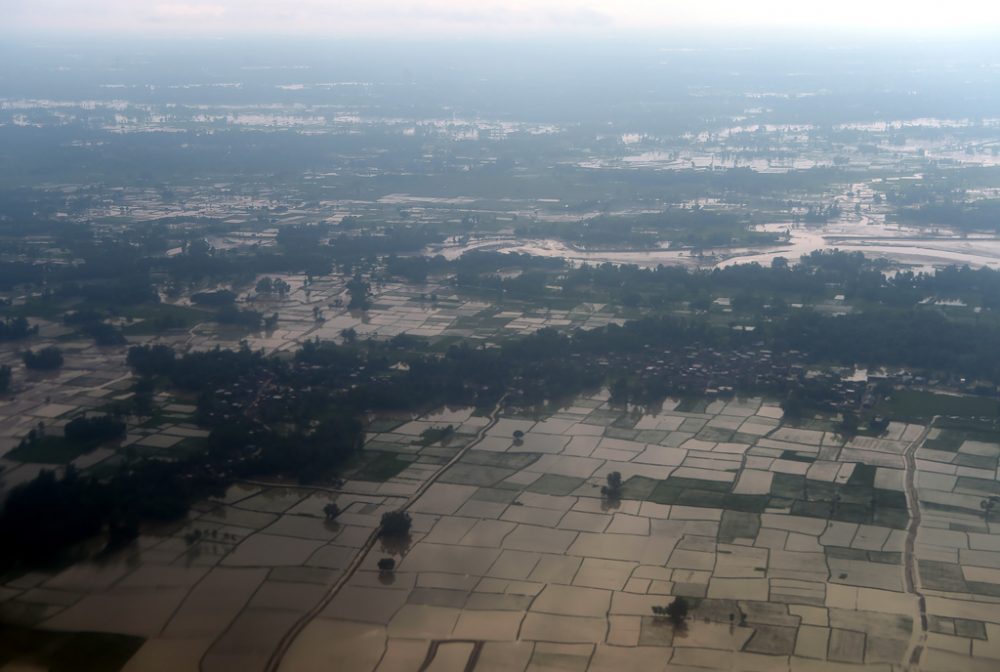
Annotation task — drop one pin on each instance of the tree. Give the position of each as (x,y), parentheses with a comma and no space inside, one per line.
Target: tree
(46,359)
(386,564)
(151,360)
(122,530)
(848,426)
(265,286)
(331,510)
(878,425)
(200,249)
(613,490)
(104,334)
(250,319)
(676,611)
(793,406)
(99,428)
(142,397)
(5,377)
(433,435)
(359,290)
(395,524)
(216,299)
(619,391)
(16,328)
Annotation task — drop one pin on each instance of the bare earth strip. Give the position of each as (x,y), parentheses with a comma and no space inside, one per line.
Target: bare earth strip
(911,574)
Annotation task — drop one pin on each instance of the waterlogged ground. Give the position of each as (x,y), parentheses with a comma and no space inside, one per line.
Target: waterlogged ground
(866,231)
(795,549)
(428,310)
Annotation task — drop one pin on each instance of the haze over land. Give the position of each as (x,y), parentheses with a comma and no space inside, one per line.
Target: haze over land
(497,17)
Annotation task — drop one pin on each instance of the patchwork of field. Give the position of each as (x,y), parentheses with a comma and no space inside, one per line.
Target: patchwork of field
(92,380)
(431,310)
(794,548)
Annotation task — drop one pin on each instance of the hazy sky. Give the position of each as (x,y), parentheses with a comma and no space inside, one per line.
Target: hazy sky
(500,17)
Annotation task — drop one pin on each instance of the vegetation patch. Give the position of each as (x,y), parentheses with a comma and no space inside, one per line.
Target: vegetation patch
(638,487)
(51,450)
(554,484)
(690,492)
(65,651)
(693,405)
(379,466)
(156,318)
(434,435)
(383,424)
(918,405)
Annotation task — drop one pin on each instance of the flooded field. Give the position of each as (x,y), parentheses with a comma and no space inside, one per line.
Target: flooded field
(524,565)
(792,547)
(904,248)
(870,234)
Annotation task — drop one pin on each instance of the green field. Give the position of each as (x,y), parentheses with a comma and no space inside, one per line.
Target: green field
(378,466)
(922,406)
(153,318)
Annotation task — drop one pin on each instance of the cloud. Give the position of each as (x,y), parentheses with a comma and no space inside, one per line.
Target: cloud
(415,17)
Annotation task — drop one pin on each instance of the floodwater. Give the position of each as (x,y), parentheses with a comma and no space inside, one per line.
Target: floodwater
(908,246)
(903,245)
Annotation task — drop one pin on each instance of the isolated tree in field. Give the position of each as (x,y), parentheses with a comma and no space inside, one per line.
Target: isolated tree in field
(331,510)
(386,564)
(395,524)
(359,291)
(613,490)
(988,505)
(676,611)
